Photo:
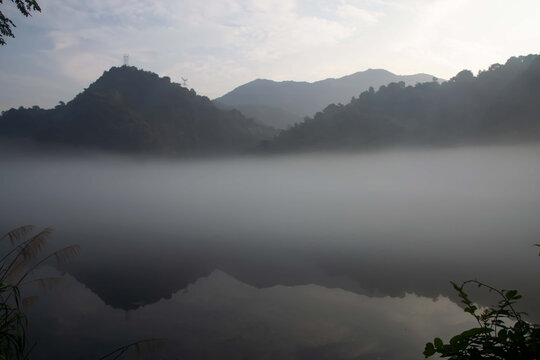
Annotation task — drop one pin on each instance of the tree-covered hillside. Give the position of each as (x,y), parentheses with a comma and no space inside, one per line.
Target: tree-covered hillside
(501,103)
(128,109)
(281,104)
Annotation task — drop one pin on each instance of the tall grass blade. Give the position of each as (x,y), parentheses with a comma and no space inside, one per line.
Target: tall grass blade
(63,255)
(18,234)
(36,244)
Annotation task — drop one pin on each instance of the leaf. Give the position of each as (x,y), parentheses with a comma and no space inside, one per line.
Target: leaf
(456,339)
(466,335)
(510,294)
(476,331)
(429,350)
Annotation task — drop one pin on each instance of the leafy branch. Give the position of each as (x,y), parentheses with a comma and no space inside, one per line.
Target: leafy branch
(25,7)
(501,333)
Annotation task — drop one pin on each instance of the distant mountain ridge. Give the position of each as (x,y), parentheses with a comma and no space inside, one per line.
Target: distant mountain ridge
(499,104)
(132,110)
(300,99)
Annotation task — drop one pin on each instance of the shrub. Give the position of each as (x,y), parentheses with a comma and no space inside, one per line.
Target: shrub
(502,333)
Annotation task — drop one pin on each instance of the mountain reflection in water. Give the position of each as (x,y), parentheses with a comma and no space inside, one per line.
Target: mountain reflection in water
(220,317)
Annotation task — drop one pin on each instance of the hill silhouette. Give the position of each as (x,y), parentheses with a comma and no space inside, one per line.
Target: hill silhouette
(281,104)
(499,104)
(132,110)
(264,114)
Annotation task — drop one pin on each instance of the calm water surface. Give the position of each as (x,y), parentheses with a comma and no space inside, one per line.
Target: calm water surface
(304,257)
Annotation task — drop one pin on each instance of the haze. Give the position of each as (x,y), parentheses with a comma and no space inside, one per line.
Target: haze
(467,207)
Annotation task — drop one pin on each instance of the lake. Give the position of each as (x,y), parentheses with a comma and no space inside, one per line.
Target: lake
(320,256)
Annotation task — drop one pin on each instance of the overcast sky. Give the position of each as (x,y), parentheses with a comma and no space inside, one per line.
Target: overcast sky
(221,44)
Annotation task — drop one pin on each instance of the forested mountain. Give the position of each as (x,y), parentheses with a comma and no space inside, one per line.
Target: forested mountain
(264,114)
(128,109)
(501,103)
(281,104)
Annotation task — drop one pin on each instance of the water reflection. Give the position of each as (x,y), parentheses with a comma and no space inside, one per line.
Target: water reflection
(220,317)
(127,274)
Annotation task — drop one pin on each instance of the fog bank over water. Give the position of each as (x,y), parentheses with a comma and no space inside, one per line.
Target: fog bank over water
(447,193)
(375,223)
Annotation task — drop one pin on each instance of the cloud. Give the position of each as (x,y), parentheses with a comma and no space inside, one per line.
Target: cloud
(289,35)
(87,67)
(351,12)
(222,38)
(240,40)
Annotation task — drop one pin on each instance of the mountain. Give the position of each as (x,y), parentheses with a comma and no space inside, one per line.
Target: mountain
(500,104)
(264,114)
(281,104)
(132,110)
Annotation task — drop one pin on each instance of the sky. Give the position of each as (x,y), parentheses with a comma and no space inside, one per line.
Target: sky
(221,44)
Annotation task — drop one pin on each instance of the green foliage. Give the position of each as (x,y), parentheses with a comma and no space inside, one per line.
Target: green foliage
(501,333)
(500,104)
(25,7)
(131,110)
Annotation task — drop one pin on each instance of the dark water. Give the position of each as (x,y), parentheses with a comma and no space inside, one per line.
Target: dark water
(306,257)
